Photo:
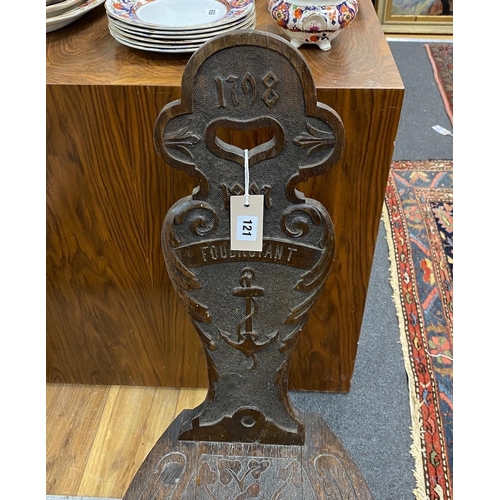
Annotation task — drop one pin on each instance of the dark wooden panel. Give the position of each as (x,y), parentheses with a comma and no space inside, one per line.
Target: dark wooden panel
(321,469)
(353,194)
(112,316)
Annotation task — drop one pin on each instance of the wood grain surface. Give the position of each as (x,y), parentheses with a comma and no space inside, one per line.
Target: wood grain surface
(112,315)
(84,53)
(73,417)
(320,469)
(98,436)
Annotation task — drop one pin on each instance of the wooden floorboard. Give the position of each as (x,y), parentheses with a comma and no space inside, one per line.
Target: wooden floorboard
(98,436)
(73,416)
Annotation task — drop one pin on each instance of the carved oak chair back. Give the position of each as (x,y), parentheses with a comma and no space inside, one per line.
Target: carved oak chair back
(248,306)
(248,123)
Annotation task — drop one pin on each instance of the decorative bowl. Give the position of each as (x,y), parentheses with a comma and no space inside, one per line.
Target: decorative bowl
(313,21)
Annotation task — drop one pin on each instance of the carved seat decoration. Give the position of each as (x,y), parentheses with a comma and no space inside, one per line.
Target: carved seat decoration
(248,122)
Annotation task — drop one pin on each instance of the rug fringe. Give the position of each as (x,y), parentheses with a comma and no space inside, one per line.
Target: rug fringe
(416,423)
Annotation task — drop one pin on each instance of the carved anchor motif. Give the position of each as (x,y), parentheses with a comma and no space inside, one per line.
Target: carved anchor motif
(248,340)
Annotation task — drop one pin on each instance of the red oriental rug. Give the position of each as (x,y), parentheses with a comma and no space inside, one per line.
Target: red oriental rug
(441,59)
(418,216)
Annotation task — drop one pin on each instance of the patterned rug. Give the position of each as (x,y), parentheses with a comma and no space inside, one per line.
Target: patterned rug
(441,59)
(418,216)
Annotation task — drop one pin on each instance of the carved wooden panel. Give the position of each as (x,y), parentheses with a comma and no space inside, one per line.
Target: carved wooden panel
(246,440)
(320,469)
(248,307)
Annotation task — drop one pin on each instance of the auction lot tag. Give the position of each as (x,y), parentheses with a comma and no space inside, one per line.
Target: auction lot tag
(247,222)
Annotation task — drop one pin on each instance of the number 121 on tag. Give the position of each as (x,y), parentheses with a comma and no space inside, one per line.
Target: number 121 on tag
(246,223)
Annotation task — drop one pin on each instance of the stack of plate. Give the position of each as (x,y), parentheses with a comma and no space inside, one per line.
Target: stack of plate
(176,26)
(60,13)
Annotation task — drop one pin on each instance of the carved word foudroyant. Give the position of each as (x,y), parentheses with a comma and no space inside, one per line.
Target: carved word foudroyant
(218,251)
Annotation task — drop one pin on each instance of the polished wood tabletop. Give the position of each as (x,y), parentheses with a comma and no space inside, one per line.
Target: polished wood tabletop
(84,53)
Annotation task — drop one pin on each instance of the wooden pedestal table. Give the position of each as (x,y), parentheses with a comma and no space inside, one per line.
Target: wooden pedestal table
(112,315)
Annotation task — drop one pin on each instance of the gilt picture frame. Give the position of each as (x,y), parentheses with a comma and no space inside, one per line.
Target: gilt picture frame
(416,16)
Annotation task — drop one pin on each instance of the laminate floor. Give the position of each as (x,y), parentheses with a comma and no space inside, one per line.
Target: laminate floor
(98,436)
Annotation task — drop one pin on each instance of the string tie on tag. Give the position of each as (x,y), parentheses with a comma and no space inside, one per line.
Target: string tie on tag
(246,201)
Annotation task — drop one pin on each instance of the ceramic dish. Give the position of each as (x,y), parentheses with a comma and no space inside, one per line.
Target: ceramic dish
(138,46)
(184,32)
(178,14)
(52,2)
(133,32)
(156,43)
(164,48)
(60,7)
(163,42)
(58,22)
(315,22)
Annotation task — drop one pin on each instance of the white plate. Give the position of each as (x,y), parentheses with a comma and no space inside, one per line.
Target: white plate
(178,14)
(170,42)
(134,38)
(177,50)
(161,47)
(155,42)
(180,33)
(60,7)
(58,22)
(134,32)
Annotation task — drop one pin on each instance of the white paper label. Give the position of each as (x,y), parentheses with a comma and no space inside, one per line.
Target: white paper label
(441,130)
(247,222)
(246,227)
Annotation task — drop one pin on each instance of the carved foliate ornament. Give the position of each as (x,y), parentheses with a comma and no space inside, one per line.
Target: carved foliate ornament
(248,307)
